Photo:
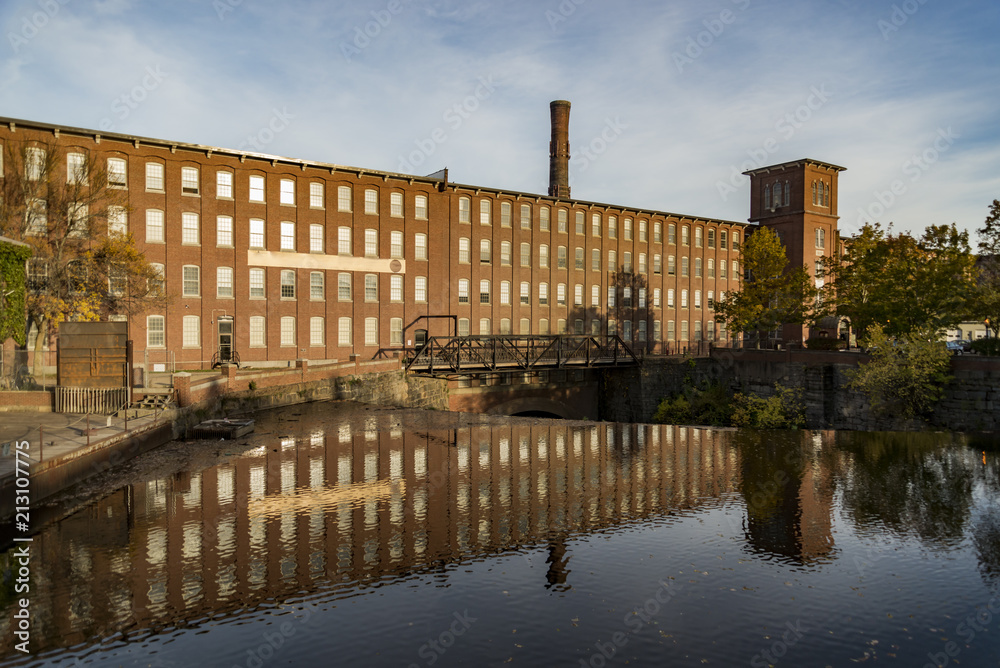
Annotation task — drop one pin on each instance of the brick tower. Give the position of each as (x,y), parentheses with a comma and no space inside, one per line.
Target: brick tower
(559,149)
(798,200)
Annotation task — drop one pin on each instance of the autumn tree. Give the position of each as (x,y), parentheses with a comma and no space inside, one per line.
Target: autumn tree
(987,291)
(773,294)
(73,214)
(902,283)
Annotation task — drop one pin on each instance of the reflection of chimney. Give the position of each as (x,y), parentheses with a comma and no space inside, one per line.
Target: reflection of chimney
(559,149)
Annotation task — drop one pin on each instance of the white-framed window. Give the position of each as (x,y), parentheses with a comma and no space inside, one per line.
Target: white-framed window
(154,225)
(287,193)
(371,202)
(484,292)
(257,283)
(561,260)
(595,296)
(256,188)
(612,261)
(316,198)
(287,235)
(595,224)
(419,246)
(685,236)
(223,184)
(154,176)
(611,296)
(710,299)
(316,239)
(223,231)
(671,233)
(736,240)
(395,288)
(420,289)
(156,283)
(670,298)
(371,287)
(484,212)
(543,256)
(698,237)
(484,251)
(543,327)
(464,250)
(463,291)
(642,231)
(79,217)
(561,294)
(396,244)
(189,228)
(697,267)
(697,330)
(371,243)
(76,168)
(642,298)
(257,331)
(420,207)
(627,229)
(396,204)
(736,268)
(317,331)
(317,286)
(463,326)
(395,331)
(627,262)
(288,284)
(484,327)
(525,255)
(684,298)
(189,181)
(642,263)
(505,215)
(723,269)
(156,331)
(117,173)
(525,216)
(344,286)
(684,266)
(525,293)
(506,251)
(524,326)
(371,332)
(710,268)
(543,219)
(723,240)
(287,331)
(343,240)
(191,331)
(343,198)
(543,294)
(224,282)
(820,238)
(505,293)
(656,297)
(464,210)
(344,332)
(612,227)
(711,238)
(256,233)
(697,298)
(191,275)
(563,217)
(578,294)
(505,326)
(117,220)
(656,330)
(580,222)
(671,330)
(34,164)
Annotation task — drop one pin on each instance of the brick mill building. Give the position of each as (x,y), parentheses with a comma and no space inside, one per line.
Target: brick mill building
(284,259)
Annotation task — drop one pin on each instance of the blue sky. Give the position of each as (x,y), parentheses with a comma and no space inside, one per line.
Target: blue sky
(670,100)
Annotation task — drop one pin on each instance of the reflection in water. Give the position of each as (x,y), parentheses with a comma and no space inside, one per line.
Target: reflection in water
(346,505)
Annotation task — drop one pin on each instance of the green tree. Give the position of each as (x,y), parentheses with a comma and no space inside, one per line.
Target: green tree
(64,205)
(902,283)
(906,375)
(774,294)
(987,291)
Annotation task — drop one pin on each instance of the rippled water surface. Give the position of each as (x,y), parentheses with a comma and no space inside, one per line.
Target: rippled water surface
(344,535)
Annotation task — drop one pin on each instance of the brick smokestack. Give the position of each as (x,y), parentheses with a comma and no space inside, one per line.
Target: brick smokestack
(559,149)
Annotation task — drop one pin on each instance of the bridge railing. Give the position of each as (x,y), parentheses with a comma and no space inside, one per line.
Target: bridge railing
(458,354)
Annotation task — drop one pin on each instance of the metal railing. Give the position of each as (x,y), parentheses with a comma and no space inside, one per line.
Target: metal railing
(96,400)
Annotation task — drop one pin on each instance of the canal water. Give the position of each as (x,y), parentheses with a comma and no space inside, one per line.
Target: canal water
(345,535)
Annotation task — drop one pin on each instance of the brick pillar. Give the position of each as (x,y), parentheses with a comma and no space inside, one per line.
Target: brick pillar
(182,384)
(229,373)
(303,366)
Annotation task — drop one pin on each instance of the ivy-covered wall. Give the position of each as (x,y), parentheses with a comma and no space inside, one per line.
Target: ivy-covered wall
(13,318)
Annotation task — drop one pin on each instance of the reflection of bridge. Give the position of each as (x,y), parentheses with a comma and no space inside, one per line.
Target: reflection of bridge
(451,356)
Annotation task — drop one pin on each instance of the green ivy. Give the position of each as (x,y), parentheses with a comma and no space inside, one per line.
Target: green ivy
(13,302)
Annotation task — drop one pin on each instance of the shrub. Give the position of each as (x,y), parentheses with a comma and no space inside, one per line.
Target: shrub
(782,410)
(710,406)
(986,346)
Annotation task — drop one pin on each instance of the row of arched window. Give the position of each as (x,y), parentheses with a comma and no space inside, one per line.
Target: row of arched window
(777,194)
(821,193)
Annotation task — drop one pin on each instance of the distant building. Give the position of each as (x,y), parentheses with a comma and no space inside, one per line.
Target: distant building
(279,259)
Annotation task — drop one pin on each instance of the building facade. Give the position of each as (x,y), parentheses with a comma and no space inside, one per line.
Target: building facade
(281,259)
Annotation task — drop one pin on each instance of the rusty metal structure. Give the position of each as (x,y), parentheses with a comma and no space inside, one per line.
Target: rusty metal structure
(93,367)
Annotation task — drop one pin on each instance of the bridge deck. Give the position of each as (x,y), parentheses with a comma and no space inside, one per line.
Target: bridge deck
(462,355)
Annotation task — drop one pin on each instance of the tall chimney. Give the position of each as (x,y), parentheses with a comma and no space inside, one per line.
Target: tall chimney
(559,149)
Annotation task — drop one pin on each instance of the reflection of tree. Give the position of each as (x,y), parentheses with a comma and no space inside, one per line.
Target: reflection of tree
(788,502)
(986,528)
(911,484)
(630,311)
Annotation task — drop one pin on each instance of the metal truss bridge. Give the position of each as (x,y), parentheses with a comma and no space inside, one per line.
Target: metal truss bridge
(451,356)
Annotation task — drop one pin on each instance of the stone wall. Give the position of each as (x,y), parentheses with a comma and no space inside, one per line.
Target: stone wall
(971,401)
